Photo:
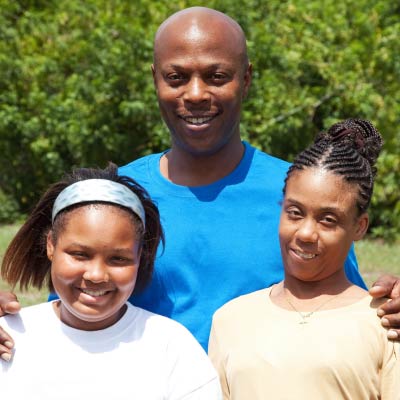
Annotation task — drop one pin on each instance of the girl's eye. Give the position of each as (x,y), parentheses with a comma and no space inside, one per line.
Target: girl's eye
(80,255)
(293,213)
(118,260)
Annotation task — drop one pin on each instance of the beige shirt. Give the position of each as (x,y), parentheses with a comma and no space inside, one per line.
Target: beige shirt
(261,351)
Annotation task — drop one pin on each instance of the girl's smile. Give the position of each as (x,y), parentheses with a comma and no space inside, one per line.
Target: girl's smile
(94,274)
(319,222)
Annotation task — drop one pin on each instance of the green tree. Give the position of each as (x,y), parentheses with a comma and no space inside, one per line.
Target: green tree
(76,87)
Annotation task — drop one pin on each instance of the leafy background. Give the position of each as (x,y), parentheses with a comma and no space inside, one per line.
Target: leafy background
(76,87)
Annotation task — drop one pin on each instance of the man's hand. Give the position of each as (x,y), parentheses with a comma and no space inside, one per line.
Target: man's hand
(389,286)
(8,305)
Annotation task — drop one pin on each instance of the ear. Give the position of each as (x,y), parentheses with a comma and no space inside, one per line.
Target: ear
(153,72)
(362,226)
(50,246)
(247,79)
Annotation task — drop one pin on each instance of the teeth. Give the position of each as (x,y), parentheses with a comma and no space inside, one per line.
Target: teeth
(197,120)
(94,293)
(306,256)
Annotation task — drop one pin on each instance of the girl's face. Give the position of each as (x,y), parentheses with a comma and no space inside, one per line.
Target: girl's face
(318,224)
(95,263)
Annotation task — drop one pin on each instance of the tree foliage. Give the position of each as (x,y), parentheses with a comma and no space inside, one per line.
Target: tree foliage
(76,87)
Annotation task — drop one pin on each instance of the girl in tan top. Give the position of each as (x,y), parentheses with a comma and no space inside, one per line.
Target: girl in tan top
(314,335)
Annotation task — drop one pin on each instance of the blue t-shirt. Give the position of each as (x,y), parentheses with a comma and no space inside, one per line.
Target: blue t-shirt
(221,239)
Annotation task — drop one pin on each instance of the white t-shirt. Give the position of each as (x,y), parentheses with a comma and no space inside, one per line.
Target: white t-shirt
(143,356)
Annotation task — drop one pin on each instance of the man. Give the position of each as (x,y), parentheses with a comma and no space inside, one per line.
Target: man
(219,198)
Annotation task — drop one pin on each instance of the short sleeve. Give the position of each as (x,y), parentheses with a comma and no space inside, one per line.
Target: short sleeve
(191,375)
(390,374)
(215,352)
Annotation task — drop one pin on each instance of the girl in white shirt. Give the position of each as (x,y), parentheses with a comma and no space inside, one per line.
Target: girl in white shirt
(92,238)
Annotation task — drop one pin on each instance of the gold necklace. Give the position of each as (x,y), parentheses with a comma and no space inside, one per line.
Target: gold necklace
(306,316)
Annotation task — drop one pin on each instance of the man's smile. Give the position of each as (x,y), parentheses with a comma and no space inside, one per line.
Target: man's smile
(197,120)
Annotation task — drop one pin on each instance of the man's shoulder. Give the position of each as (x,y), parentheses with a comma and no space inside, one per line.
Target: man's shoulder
(267,171)
(141,169)
(138,164)
(271,161)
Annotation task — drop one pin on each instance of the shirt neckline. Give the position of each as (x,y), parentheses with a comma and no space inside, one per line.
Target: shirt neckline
(166,186)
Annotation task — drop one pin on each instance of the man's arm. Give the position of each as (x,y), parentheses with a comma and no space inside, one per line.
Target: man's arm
(8,305)
(389,286)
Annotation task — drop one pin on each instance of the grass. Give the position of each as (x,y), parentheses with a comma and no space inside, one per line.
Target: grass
(374,258)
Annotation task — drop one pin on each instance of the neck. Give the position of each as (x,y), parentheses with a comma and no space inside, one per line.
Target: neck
(332,285)
(301,296)
(187,169)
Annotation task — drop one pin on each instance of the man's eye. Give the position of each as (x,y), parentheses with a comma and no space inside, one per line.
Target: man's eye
(329,220)
(219,77)
(174,77)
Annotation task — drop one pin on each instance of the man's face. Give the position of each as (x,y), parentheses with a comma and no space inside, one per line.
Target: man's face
(201,79)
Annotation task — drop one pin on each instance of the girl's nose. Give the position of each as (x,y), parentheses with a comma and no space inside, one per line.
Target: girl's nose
(308,231)
(96,271)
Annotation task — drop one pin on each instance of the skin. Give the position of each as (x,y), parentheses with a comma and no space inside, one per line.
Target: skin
(201,75)
(319,223)
(104,266)
(203,159)
(93,274)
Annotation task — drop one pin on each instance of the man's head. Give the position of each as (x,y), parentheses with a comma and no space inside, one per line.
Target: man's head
(202,74)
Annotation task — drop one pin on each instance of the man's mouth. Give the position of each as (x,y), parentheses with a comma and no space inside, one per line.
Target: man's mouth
(305,256)
(197,120)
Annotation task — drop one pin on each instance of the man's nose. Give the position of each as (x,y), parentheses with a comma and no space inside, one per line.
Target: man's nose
(196,91)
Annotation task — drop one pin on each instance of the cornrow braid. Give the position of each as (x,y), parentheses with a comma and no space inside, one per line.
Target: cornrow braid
(349,148)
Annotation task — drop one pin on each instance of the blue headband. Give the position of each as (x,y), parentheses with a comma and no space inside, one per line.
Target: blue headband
(92,190)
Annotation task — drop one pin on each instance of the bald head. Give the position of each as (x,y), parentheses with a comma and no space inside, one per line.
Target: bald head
(201,75)
(192,23)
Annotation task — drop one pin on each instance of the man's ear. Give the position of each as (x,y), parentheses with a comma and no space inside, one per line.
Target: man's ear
(362,226)
(153,72)
(247,79)
(50,246)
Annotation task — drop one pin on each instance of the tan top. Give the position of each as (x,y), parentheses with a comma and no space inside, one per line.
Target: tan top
(262,351)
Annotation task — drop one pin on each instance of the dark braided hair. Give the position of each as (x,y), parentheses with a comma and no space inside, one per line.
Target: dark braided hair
(349,148)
